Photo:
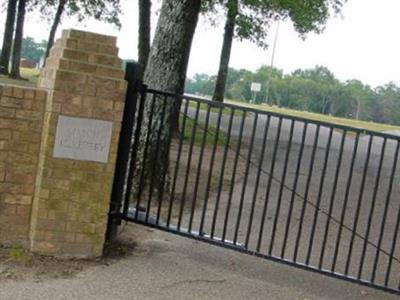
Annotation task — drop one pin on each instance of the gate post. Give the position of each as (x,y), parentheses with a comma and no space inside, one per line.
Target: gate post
(82,120)
(132,74)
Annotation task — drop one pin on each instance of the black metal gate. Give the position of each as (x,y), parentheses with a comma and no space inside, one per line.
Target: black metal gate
(306,193)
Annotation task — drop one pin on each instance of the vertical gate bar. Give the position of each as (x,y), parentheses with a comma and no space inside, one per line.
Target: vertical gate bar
(135,147)
(282,182)
(146,145)
(304,206)
(268,189)
(296,179)
(346,199)
(388,197)
(372,209)
(178,159)
(221,177)
(239,144)
(259,169)
(192,138)
(358,208)
(393,247)
(319,196)
(246,175)
(332,200)
(124,145)
(210,170)
(196,185)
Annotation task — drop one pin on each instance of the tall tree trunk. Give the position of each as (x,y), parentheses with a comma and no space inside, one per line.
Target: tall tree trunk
(166,71)
(220,85)
(19,32)
(144,33)
(358,111)
(54,26)
(8,37)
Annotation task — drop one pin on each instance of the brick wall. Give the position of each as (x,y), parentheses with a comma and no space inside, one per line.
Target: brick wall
(59,206)
(21,115)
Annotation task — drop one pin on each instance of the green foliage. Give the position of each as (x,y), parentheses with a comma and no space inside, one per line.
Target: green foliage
(201,83)
(254,17)
(102,10)
(314,90)
(32,50)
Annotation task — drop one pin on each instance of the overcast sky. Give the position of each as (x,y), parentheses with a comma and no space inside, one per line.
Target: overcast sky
(363,43)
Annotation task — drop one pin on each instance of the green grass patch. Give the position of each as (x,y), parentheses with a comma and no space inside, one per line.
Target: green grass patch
(199,134)
(319,117)
(20,255)
(215,109)
(30,78)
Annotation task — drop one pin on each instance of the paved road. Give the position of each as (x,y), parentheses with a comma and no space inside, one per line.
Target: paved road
(339,184)
(164,266)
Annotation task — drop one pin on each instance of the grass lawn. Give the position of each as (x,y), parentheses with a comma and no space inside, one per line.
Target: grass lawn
(226,111)
(199,135)
(320,117)
(30,78)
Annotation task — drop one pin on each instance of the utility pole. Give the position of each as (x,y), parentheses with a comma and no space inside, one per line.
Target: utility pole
(272,63)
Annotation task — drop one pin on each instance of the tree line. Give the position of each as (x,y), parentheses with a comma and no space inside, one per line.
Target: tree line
(315,90)
(33,50)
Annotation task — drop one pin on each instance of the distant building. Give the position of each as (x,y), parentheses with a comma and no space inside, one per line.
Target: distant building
(27,63)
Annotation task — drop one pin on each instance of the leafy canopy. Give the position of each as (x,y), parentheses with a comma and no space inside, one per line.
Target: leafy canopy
(254,17)
(102,10)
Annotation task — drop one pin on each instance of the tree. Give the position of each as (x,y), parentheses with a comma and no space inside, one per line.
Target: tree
(250,20)
(32,50)
(8,37)
(388,102)
(166,71)
(56,22)
(144,33)
(19,31)
(219,91)
(104,10)
(362,99)
(202,84)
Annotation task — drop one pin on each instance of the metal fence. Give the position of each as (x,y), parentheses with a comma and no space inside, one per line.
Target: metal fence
(310,194)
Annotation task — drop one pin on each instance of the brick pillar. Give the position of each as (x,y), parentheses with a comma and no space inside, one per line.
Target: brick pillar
(84,80)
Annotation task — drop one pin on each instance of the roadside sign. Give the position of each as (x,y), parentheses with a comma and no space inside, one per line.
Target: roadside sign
(255,87)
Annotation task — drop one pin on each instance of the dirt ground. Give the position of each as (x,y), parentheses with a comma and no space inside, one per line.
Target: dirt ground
(17,264)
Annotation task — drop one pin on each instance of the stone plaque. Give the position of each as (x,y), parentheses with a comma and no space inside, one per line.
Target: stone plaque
(82,139)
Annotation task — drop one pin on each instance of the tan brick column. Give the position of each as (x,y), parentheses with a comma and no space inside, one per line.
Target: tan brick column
(84,79)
